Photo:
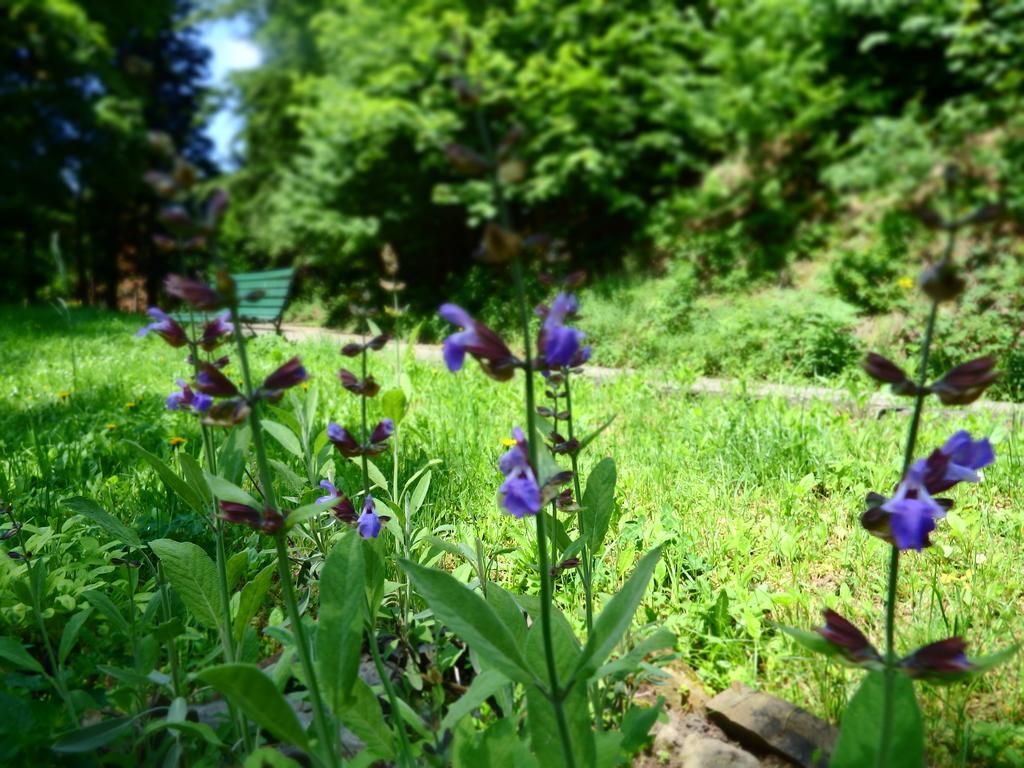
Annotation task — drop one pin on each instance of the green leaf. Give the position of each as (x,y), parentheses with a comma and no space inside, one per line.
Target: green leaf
(228,491)
(113,527)
(616,617)
(194,577)
(471,618)
(254,693)
(497,747)
(590,438)
(636,725)
(288,440)
(231,457)
(419,494)
(508,611)
(599,502)
(236,565)
(202,730)
(628,663)
(69,636)
(268,757)
(168,630)
(92,737)
(342,613)
(194,477)
(170,478)
(250,600)
(13,651)
(484,685)
(393,404)
(107,608)
(363,716)
(860,730)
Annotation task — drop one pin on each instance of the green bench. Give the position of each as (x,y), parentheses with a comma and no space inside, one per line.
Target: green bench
(275,286)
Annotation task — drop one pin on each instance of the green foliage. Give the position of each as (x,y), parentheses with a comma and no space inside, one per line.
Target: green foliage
(859,736)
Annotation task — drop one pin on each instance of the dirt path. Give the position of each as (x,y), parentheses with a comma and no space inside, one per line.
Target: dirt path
(877,405)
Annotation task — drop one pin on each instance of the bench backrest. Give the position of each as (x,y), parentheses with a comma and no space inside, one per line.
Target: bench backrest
(276,286)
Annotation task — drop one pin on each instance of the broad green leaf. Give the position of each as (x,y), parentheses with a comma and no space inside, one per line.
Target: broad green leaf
(599,502)
(497,747)
(393,404)
(231,457)
(302,514)
(268,757)
(636,725)
(194,476)
(590,437)
(250,600)
(288,440)
(616,617)
(192,574)
(92,737)
(106,606)
(170,478)
(508,611)
(342,614)
(662,638)
(13,651)
(860,729)
(362,715)
(235,567)
(69,636)
(254,693)
(228,491)
(420,493)
(471,618)
(484,685)
(93,512)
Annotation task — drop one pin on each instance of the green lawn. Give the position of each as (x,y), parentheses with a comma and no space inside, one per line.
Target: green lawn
(757,503)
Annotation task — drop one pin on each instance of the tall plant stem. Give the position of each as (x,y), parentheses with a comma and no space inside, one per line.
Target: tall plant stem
(894,556)
(405,754)
(587,560)
(320,717)
(557,695)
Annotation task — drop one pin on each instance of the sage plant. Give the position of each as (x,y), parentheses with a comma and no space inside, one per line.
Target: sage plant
(905,520)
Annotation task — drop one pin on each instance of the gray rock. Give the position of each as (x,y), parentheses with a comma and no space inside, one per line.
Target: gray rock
(765,723)
(706,752)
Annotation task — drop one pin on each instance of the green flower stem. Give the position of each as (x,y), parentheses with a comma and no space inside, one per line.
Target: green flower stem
(556,694)
(894,556)
(587,559)
(405,753)
(322,721)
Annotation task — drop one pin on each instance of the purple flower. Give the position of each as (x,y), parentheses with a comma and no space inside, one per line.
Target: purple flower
(166,327)
(369,524)
(945,660)
(270,521)
(227,413)
(342,439)
(285,377)
(384,429)
(196,293)
(212,382)
(520,493)
(186,399)
(847,640)
(906,519)
(215,331)
(376,343)
(558,343)
(957,461)
(332,492)
(367,387)
(478,340)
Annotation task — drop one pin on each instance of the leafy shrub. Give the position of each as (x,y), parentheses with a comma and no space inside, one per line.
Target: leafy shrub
(875,277)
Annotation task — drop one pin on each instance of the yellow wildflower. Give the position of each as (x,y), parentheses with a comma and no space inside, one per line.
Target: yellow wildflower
(63,394)
(176,441)
(130,404)
(906,283)
(111,426)
(508,442)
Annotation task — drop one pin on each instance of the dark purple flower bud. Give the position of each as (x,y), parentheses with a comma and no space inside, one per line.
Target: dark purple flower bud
(957,461)
(367,387)
(847,640)
(221,362)
(196,293)
(549,491)
(176,219)
(343,441)
(565,565)
(944,661)
(942,281)
(929,217)
(520,493)
(270,521)
(478,340)
(885,371)
(465,160)
(382,431)
(565,502)
(561,445)
(15,555)
(499,246)
(909,516)
(166,327)
(10,532)
(215,331)
(211,381)
(186,399)
(285,377)
(351,350)
(164,244)
(369,524)
(967,382)
(227,413)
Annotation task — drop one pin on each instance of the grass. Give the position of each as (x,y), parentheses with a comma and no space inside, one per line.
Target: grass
(757,503)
